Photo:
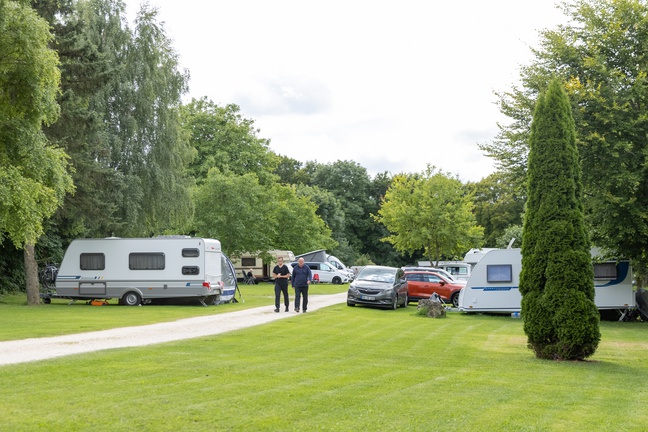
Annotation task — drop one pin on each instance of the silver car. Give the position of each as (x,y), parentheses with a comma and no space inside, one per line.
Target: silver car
(379,286)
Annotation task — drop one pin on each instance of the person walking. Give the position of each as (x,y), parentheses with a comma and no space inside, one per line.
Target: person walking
(301,279)
(281,274)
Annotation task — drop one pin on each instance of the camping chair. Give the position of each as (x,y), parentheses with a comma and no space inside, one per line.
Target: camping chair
(248,279)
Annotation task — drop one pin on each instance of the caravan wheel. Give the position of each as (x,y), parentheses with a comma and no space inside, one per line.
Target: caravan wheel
(131,299)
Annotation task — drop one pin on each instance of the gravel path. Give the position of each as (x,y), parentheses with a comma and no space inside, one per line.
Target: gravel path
(28,350)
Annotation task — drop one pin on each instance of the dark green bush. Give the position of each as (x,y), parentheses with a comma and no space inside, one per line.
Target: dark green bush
(561,320)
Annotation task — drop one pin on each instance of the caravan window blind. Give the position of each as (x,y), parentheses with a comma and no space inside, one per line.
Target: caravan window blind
(190,253)
(92,261)
(605,271)
(146,261)
(248,262)
(499,273)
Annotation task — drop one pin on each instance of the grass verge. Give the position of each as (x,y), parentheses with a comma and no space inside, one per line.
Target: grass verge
(339,368)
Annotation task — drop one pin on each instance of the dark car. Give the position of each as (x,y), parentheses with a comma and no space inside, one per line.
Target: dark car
(379,286)
(422,284)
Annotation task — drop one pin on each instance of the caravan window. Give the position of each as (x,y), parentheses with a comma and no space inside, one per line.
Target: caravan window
(605,271)
(499,273)
(190,253)
(92,261)
(146,261)
(190,270)
(248,262)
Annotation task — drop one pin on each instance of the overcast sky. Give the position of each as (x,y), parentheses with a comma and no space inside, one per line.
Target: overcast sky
(391,85)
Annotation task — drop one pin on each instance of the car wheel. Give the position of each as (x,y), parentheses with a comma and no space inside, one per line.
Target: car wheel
(131,299)
(406,302)
(455,299)
(337,280)
(350,304)
(394,304)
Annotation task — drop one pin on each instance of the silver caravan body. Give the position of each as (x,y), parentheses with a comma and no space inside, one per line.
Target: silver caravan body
(493,285)
(137,270)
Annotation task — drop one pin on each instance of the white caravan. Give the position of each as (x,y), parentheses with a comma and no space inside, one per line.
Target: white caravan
(137,270)
(261,271)
(493,285)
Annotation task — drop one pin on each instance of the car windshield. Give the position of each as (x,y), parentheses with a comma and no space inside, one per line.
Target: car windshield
(377,275)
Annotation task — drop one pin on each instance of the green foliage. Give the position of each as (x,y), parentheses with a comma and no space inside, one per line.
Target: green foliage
(248,217)
(33,174)
(498,204)
(601,56)
(429,212)
(225,140)
(235,210)
(298,227)
(556,282)
(121,91)
(510,233)
(350,184)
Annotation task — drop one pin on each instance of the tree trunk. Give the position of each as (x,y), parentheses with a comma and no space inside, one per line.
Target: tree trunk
(31,275)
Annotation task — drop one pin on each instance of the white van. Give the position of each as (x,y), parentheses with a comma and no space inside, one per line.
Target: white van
(326,272)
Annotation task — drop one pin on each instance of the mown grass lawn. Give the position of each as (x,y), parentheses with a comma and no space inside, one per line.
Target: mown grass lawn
(60,317)
(339,368)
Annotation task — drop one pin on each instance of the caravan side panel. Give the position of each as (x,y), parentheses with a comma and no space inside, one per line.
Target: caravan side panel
(494,282)
(154,268)
(491,288)
(613,285)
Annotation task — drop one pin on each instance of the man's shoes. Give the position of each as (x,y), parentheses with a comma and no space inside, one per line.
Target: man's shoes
(277,310)
(286,309)
(297,310)
(304,311)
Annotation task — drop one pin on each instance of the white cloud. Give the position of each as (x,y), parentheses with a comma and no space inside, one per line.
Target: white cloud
(391,85)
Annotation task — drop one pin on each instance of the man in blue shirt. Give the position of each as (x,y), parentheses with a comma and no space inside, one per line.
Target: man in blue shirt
(301,279)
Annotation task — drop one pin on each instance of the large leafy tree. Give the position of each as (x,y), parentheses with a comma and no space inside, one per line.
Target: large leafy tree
(120,123)
(498,205)
(249,217)
(224,139)
(33,174)
(602,56)
(351,185)
(557,278)
(429,212)
(91,39)
(147,145)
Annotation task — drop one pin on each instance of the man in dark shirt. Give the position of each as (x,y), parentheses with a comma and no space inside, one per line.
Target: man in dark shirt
(281,275)
(301,279)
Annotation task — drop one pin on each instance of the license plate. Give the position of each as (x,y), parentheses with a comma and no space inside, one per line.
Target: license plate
(364,297)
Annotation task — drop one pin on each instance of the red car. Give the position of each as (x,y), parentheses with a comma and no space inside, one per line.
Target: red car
(422,284)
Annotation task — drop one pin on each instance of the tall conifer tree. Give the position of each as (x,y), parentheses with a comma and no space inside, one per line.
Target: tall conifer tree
(557,281)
